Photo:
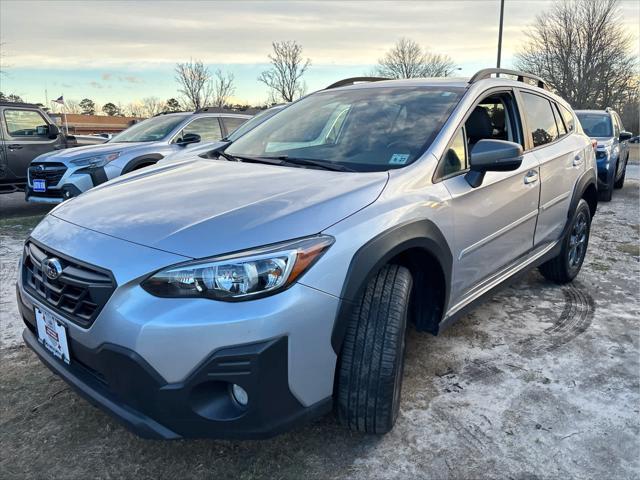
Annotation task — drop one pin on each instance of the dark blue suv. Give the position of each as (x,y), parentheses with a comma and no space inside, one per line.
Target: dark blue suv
(612,153)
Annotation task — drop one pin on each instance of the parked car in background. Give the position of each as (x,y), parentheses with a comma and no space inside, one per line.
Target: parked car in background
(57,176)
(635,139)
(208,150)
(240,298)
(26,131)
(612,150)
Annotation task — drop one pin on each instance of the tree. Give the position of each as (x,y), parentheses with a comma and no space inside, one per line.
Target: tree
(581,49)
(195,83)
(172,105)
(12,97)
(110,109)
(72,106)
(135,109)
(284,78)
(407,59)
(88,106)
(223,88)
(151,106)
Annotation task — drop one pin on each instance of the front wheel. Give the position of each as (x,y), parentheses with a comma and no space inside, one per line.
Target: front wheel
(565,267)
(620,182)
(369,377)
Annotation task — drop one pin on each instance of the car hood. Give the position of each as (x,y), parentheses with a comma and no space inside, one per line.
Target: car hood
(604,141)
(68,154)
(204,207)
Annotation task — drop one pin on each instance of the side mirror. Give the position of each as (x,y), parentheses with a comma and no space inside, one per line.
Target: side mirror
(492,156)
(188,139)
(624,136)
(53,131)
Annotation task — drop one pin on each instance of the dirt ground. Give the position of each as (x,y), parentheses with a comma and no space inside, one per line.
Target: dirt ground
(539,382)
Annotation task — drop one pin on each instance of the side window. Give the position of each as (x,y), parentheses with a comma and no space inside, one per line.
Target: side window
(562,130)
(541,124)
(455,157)
(25,123)
(619,121)
(231,123)
(207,127)
(616,125)
(567,116)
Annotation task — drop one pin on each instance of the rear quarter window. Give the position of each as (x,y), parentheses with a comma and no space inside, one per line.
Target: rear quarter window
(541,124)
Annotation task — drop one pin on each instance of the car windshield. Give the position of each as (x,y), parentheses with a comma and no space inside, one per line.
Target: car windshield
(150,130)
(596,124)
(363,129)
(253,123)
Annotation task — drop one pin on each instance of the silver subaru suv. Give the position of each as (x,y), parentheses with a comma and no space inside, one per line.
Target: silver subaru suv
(63,174)
(241,296)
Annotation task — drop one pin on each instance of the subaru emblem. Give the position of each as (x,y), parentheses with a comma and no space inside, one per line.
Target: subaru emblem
(52,268)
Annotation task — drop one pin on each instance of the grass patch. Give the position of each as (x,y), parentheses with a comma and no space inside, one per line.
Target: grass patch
(629,248)
(26,223)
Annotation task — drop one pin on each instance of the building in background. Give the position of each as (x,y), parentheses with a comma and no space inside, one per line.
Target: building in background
(79,124)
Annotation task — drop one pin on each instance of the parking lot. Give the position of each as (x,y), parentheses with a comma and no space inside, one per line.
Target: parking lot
(539,382)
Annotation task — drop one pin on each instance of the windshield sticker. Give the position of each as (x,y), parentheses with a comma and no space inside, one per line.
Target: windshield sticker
(399,159)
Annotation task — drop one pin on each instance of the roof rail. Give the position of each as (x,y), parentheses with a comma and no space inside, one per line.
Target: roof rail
(354,80)
(521,76)
(166,112)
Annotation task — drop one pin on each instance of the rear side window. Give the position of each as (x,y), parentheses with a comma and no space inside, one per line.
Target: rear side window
(562,129)
(541,123)
(231,123)
(567,116)
(25,123)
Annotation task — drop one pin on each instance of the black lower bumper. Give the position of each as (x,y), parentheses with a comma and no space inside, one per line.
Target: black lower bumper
(120,382)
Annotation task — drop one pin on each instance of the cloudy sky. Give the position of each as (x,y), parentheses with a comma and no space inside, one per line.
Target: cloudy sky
(121,51)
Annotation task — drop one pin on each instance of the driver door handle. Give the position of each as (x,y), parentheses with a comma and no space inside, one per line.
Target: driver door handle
(531,177)
(14,146)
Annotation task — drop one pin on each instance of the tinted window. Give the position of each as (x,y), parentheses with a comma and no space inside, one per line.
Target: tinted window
(541,123)
(455,158)
(567,116)
(363,128)
(231,123)
(207,127)
(25,123)
(559,122)
(596,124)
(150,130)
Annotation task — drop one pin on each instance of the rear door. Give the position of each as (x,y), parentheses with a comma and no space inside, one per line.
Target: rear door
(494,223)
(26,136)
(560,157)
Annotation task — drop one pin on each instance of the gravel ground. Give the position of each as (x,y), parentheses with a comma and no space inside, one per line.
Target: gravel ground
(539,382)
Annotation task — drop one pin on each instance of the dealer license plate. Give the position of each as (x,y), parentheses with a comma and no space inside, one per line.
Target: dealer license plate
(52,334)
(39,185)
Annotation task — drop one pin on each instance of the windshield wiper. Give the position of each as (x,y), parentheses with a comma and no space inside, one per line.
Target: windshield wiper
(226,156)
(311,162)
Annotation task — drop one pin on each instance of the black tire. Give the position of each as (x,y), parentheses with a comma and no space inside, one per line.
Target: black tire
(565,267)
(369,377)
(606,194)
(618,184)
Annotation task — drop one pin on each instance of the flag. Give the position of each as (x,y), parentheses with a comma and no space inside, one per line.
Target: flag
(59,100)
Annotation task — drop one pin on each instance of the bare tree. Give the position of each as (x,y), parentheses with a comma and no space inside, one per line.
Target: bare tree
(195,82)
(152,106)
(581,48)
(407,59)
(223,87)
(135,109)
(72,106)
(284,78)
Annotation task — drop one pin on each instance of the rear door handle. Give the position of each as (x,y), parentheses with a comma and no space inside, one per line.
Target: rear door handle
(531,177)
(14,146)
(577,160)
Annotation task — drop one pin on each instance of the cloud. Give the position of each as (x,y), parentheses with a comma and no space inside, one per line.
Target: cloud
(131,79)
(96,85)
(107,76)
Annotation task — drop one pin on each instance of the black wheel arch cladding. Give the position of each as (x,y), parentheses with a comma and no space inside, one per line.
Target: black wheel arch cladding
(421,236)
(149,158)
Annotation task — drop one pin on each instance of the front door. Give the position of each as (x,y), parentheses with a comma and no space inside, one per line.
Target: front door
(494,223)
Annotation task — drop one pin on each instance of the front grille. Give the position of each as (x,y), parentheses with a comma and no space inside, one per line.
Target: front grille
(78,294)
(49,171)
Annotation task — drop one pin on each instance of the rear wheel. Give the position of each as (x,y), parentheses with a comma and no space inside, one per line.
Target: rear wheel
(565,267)
(369,377)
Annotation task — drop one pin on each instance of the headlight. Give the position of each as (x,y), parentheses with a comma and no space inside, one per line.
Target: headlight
(96,161)
(242,276)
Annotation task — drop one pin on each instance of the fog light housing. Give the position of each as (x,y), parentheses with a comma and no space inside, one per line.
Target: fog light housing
(239,394)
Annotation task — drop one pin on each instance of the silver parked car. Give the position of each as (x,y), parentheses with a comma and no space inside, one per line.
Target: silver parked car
(59,175)
(239,297)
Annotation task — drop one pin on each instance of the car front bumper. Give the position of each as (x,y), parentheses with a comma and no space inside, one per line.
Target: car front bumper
(165,367)
(74,182)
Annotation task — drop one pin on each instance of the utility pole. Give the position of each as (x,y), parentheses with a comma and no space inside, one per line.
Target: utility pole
(500,31)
